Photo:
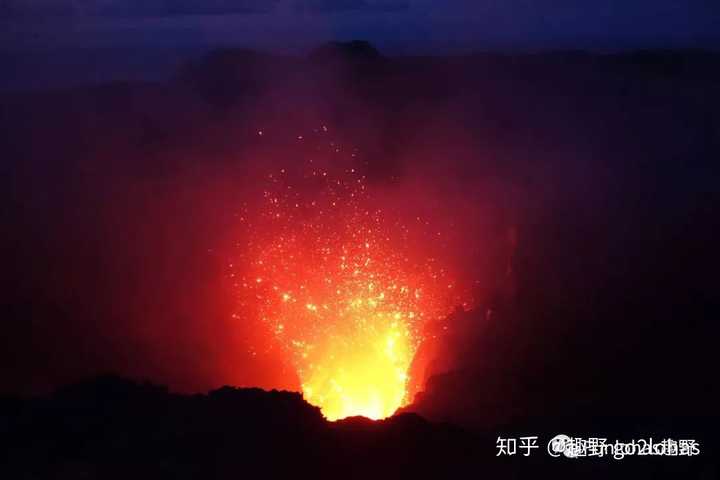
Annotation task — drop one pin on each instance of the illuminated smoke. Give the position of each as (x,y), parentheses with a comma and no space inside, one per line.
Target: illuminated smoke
(344,287)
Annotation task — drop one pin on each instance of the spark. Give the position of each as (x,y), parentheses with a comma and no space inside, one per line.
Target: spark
(343,291)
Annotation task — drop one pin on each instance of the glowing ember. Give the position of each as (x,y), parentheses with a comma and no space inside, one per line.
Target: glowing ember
(343,289)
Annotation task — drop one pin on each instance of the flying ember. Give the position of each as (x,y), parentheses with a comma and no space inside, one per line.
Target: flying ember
(344,289)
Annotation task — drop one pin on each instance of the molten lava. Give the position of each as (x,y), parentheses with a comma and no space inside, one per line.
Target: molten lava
(343,288)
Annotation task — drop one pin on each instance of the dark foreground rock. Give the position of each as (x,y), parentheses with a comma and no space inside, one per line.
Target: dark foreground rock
(116,428)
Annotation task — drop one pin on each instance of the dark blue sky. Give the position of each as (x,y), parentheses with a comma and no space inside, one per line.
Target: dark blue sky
(397,26)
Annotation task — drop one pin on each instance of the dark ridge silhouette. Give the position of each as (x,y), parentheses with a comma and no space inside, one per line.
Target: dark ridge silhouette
(353,51)
(111,427)
(696,63)
(225,76)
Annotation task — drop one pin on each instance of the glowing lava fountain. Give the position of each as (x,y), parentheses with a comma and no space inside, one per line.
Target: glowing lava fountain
(344,288)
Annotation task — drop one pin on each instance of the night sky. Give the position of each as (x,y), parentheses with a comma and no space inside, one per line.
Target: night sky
(396,26)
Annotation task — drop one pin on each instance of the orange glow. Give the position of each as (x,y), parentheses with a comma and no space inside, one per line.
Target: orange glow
(343,289)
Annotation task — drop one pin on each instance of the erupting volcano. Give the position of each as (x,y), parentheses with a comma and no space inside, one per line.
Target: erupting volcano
(344,287)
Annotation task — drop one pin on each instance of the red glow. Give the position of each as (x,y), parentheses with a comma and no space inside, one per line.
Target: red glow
(344,288)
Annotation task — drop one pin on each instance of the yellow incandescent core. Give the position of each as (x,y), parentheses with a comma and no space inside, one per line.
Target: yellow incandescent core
(363,373)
